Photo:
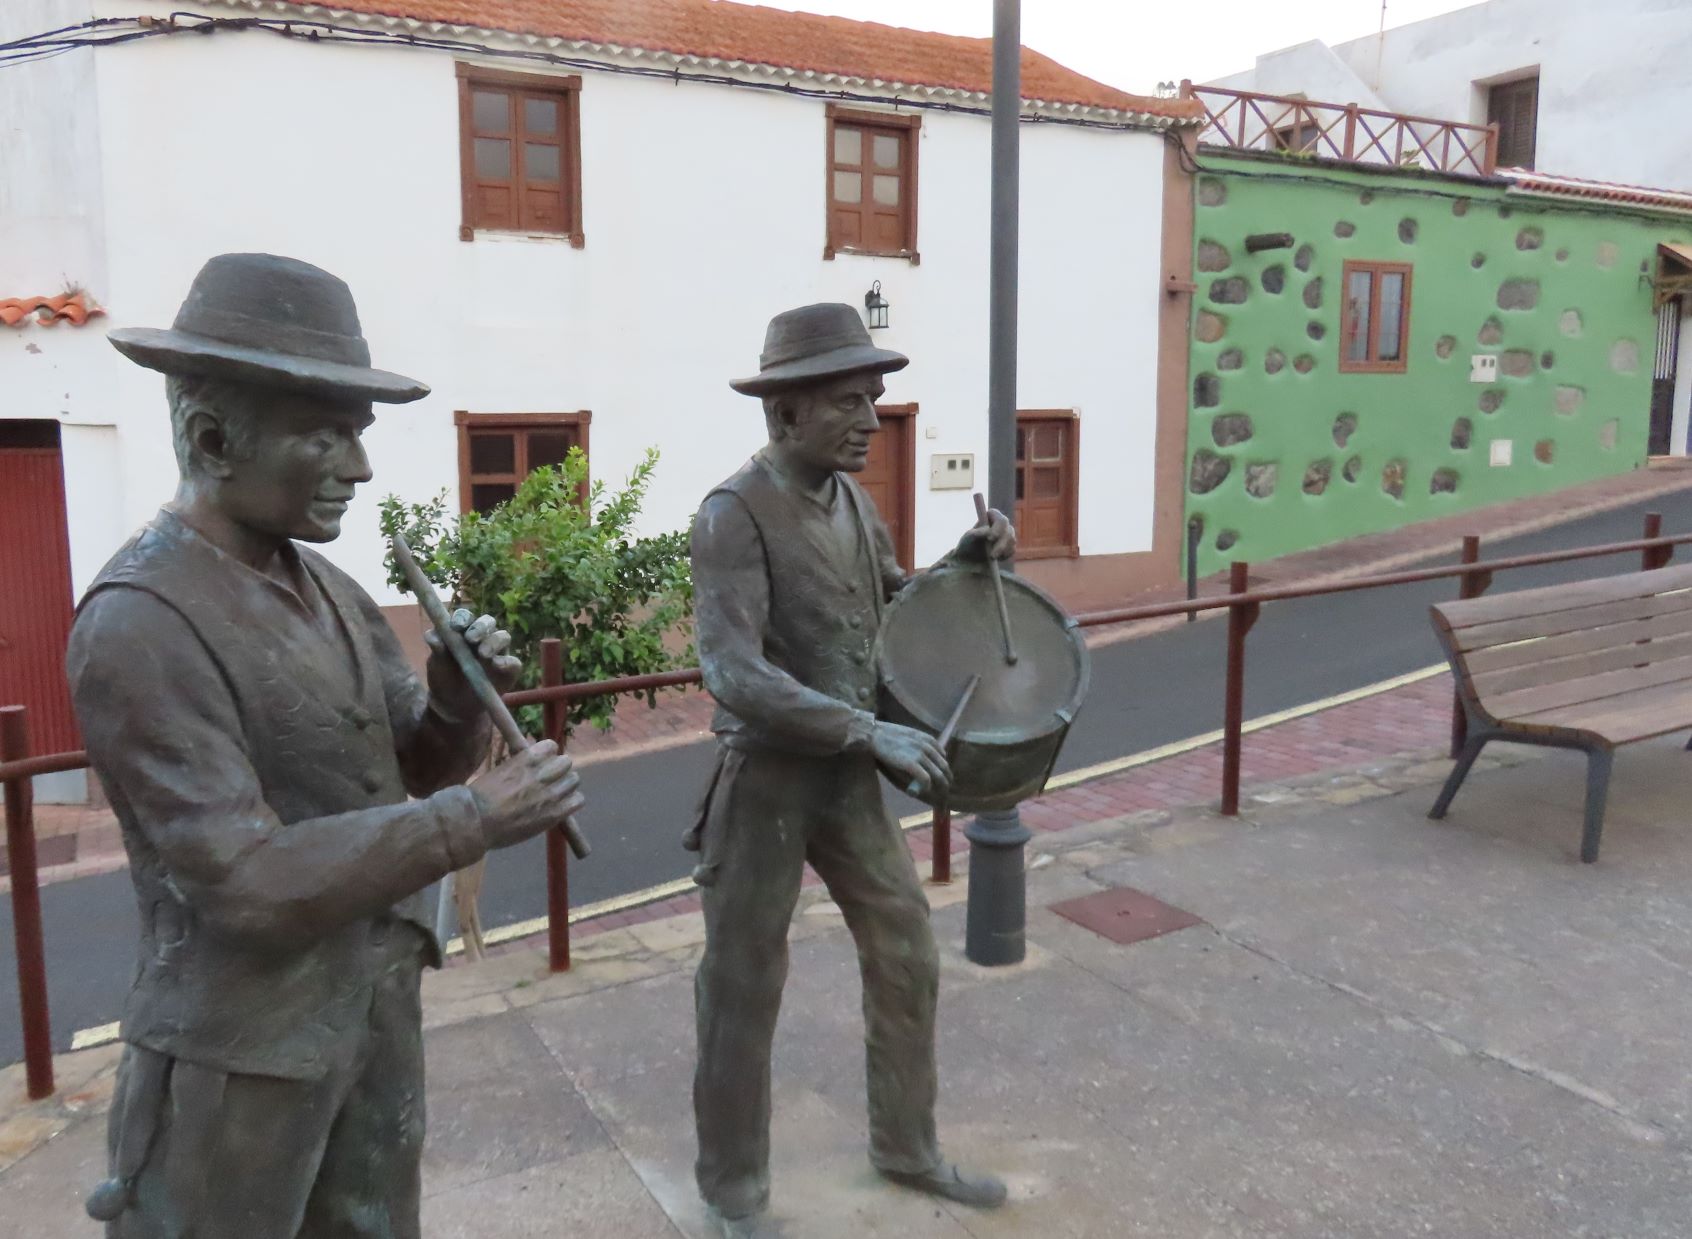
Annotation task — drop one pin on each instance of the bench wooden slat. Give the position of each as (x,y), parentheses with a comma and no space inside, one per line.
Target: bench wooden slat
(1507,631)
(1616,657)
(1609,686)
(1483,662)
(1638,716)
(1551,598)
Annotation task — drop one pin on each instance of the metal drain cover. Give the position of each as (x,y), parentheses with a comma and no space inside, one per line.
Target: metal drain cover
(1125,915)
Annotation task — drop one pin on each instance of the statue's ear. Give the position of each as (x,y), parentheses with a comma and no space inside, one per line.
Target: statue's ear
(209,444)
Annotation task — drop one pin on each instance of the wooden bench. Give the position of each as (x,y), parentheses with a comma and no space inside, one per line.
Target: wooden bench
(1589,665)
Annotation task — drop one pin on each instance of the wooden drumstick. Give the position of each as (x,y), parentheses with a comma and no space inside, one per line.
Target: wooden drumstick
(998,585)
(474,675)
(951,727)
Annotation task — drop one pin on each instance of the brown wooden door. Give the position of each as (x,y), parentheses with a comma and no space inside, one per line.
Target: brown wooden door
(1047,468)
(889,476)
(35,583)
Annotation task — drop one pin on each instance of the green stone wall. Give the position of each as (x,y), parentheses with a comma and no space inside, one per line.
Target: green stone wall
(1284,452)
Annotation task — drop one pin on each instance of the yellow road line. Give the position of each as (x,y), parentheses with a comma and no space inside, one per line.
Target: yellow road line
(90,1037)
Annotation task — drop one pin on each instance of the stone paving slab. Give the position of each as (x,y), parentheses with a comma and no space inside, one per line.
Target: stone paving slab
(1384,1026)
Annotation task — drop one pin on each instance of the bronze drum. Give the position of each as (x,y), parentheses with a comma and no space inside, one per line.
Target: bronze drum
(942,631)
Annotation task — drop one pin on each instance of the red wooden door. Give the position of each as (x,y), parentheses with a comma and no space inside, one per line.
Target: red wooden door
(889,476)
(35,583)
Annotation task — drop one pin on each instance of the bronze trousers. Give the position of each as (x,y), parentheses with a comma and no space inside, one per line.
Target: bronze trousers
(256,1157)
(768,814)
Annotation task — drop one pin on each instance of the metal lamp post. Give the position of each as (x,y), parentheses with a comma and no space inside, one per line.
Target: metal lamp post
(996,927)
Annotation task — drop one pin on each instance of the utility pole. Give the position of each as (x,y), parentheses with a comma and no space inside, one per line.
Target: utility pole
(996,930)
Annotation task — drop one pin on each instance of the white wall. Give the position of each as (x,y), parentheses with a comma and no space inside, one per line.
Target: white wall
(1615,86)
(1310,69)
(704,215)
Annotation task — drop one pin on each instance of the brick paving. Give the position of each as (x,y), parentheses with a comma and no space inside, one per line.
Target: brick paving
(77,840)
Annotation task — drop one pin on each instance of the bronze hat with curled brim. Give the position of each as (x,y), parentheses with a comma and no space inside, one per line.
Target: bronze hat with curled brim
(816,342)
(273,322)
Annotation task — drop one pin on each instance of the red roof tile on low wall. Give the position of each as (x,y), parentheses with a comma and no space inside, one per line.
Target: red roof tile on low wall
(74,308)
(1601,191)
(719,29)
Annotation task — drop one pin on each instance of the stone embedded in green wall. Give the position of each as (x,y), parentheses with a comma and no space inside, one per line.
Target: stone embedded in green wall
(1462,434)
(1407,230)
(1563,255)
(1230,359)
(1209,471)
(1607,434)
(1491,333)
(1624,356)
(1207,391)
(1304,363)
(1344,229)
(1208,328)
(1460,207)
(1568,322)
(1227,429)
(1274,360)
(1227,539)
(1445,346)
(1353,469)
(1313,293)
(1213,257)
(1515,363)
(1316,329)
(1317,475)
(1545,451)
(1443,481)
(1518,294)
(1393,474)
(1230,291)
(1530,238)
(1478,260)
(1490,400)
(1608,252)
(1260,479)
(1345,425)
(1568,399)
(1547,359)
(1274,278)
(1212,192)
(1366,197)
(1305,256)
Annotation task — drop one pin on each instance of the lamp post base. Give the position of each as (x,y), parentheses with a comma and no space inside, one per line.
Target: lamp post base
(996,930)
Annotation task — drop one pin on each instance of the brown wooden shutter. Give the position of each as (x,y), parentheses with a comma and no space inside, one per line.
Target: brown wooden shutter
(1514,108)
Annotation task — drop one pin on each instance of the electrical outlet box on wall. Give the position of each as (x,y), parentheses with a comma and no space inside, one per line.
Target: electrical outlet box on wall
(1483,368)
(951,471)
(1503,452)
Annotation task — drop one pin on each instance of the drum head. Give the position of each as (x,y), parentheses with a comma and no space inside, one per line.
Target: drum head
(944,628)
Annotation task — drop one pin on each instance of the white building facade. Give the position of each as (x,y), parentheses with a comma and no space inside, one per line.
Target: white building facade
(701,208)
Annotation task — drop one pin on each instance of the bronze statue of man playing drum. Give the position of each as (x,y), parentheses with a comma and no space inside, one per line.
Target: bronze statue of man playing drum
(792,570)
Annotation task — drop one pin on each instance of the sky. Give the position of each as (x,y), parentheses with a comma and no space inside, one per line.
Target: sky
(1134,44)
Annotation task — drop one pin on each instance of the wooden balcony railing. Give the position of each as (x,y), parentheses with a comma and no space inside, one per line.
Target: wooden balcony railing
(1245,120)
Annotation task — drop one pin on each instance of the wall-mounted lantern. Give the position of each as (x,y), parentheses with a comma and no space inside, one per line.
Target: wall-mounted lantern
(876,306)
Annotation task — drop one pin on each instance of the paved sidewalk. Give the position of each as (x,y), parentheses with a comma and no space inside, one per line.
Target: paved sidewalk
(79,840)
(1384,1026)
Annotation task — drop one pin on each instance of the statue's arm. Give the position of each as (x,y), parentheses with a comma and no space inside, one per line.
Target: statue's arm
(439,741)
(162,731)
(731,589)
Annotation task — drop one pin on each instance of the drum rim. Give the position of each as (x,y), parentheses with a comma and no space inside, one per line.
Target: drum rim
(1061,719)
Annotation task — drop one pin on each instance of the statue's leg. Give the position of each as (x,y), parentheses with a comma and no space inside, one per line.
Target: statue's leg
(370,1182)
(860,852)
(755,826)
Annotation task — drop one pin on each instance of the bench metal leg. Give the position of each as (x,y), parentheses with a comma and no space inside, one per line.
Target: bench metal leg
(1471,749)
(1597,792)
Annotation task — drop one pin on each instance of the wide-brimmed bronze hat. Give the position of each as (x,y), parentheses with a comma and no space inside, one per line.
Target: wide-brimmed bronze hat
(816,342)
(272,321)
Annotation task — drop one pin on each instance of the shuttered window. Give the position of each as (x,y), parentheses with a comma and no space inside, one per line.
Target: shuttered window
(871,183)
(520,152)
(1048,445)
(496,451)
(1514,108)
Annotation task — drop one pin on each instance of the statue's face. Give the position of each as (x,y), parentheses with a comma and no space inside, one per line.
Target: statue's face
(831,422)
(304,459)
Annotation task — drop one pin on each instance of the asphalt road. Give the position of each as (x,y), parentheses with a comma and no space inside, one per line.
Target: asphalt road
(1145,693)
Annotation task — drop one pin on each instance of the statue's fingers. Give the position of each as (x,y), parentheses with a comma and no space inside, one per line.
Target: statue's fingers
(506,668)
(491,645)
(460,619)
(479,628)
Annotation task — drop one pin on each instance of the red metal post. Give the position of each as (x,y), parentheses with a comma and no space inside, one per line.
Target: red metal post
(26,909)
(1241,616)
(1655,556)
(940,835)
(557,853)
(1469,585)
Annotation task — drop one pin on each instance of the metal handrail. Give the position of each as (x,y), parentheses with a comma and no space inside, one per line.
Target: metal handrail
(1241,602)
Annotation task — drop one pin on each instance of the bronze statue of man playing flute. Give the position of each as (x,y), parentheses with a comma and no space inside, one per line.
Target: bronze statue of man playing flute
(260,736)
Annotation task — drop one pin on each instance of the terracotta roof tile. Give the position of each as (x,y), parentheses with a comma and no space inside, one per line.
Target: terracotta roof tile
(722,30)
(1603,191)
(73,308)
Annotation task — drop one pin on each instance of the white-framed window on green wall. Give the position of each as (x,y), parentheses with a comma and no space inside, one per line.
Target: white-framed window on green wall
(1375,325)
